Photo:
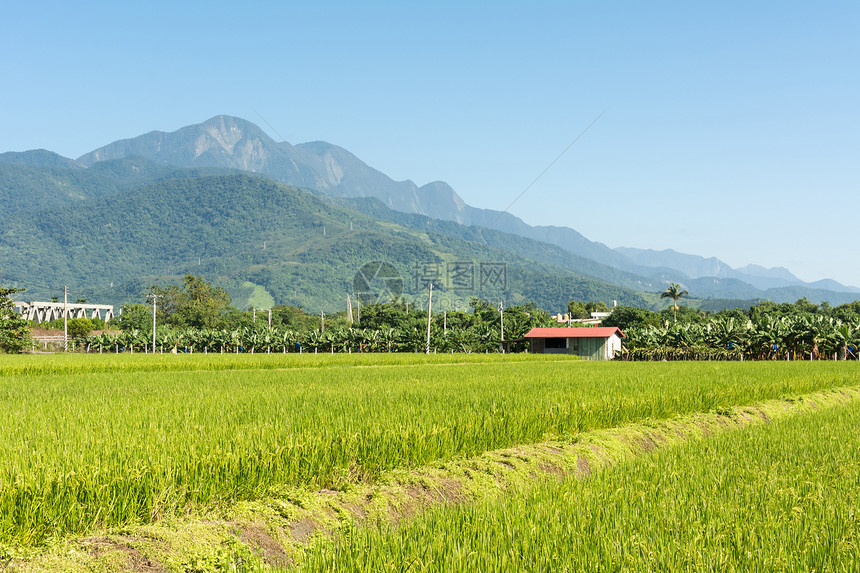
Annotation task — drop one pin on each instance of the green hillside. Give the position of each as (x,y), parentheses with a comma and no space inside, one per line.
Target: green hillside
(246,232)
(26,187)
(522,246)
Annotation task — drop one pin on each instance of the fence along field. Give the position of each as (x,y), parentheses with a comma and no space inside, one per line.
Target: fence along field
(132,441)
(781,497)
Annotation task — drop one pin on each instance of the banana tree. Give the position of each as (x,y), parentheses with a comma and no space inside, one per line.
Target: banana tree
(316,339)
(412,339)
(267,337)
(289,340)
(389,337)
(372,339)
(767,336)
(830,338)
(726,334)
(487,336)
(850,332)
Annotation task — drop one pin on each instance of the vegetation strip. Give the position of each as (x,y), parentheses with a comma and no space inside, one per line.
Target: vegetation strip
(288,528)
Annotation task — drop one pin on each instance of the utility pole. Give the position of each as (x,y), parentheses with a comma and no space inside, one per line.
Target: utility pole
(254,315)
(429,316)
(155,297)
(502,326)
(322,321)
(65,319)
(270,318)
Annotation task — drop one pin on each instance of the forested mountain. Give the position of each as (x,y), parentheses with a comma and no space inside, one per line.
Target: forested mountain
(43,195)
(243,230)
(524,247)
(652,279)
(230,142)
(39,158)
(25,187)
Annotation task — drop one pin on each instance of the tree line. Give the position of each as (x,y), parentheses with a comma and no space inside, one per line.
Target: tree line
(197,316)
(766,331)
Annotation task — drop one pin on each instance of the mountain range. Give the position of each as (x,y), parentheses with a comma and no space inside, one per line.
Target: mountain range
(258,237)
(38,186)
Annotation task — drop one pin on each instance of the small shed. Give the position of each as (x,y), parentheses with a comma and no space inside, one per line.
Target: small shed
(597,343)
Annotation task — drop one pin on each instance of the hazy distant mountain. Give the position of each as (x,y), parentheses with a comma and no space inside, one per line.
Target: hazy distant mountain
(697,267)
(691,265)
(776,273)
(225,141)
(235,143)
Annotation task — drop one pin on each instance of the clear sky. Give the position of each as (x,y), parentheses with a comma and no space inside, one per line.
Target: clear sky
(731,129)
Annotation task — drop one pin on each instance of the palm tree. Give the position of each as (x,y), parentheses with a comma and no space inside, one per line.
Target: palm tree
(674,292)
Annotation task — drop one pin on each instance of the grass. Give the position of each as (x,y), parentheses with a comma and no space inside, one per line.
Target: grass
(259,298)
(95,441)
(781,497)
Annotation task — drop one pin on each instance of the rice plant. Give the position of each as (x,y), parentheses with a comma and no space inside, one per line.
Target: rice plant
(782,497)
(88,442)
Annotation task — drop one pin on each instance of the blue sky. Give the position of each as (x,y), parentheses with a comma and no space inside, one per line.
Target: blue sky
(731,129)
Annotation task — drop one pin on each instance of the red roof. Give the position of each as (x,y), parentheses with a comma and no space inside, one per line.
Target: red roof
(583,332)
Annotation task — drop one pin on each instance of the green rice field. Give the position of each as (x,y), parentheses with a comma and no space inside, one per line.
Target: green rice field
(94,443)
(782,497)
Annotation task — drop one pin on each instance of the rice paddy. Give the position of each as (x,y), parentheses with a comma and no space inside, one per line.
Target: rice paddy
(91,443)
(781,497)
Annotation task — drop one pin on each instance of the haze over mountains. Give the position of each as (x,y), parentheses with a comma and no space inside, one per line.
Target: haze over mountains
(39,181)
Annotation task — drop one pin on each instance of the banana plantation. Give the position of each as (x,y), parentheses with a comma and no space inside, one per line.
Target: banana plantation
(275,340)
(720,338)
(803,337)
(381,328)
(196,318)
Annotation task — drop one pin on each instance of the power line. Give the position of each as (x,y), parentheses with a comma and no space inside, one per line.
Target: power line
(547,168)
